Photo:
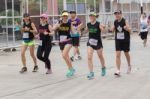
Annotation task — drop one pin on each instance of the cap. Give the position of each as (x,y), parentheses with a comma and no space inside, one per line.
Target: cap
(92,14)
(118,12)
(44,16)
(72,12)
(65,14)
(26,15)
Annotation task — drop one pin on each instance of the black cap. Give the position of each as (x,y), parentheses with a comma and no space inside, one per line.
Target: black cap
(118,12)
(26,15)
(72,12)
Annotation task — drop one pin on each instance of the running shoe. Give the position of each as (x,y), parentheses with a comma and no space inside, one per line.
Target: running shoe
(49,71)
(70,72)
(103,73)
(72,58)
(129,70)
(79,57)
(117,73)
(35,69)
(90,75)
(23,70)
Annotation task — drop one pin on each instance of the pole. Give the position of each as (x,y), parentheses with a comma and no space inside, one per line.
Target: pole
(13,21)
(141,6)
(65,5)
(6,21)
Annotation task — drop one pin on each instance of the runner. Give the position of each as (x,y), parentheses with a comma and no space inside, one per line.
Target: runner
(65,42)
(144,28)
(45,39)
(95,43)
(122,40)
(75,35)
(28,30)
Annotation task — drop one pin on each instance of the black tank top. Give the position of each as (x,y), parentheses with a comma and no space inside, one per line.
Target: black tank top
(31,35)
(94,31)
(64,30)
(42,29)
(119,28)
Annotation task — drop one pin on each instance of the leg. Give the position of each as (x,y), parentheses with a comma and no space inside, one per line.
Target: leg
(65,54)
(90,52)
(118,60)
(23,58)
(101,57)
(47,51)
(102,60)
(32,47)
(40,52)
(145,42)
(128,61)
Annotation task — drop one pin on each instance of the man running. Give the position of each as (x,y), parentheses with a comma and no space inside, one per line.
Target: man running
(75,34)
(122,40)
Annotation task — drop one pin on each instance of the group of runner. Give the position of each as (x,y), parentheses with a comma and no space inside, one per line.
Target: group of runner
(69,30)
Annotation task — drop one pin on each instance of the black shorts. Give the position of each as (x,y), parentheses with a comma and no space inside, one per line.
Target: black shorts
(122,46)
(144,35)
(62,45)
(97,47)
(75,41)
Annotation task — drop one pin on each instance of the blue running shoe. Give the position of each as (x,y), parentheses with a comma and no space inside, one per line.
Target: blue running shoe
(103,71)
(90,75)
(70,72)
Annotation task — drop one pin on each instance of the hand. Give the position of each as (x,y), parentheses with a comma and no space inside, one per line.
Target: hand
(26,29)
(74,22)
(104,26)
(46,33)
(37,37)
(125,27)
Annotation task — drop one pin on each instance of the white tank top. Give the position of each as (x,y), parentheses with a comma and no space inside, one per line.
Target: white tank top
(143,25)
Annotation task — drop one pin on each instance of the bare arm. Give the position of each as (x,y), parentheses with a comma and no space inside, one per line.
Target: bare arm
(55,27)
(127,27)
(112,29)
(86,30)
(102,27)
(34,30)
(51,30)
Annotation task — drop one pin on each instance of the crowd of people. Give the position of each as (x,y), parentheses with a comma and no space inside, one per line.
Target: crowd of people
(69,30)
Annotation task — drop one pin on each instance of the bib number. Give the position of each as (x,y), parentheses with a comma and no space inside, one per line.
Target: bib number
(63,38)
(93,42)
(25,35)
(40,42)
(120,36)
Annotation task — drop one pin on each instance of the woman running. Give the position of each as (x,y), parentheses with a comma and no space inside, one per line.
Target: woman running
(28,30)
(65,41)
(45,39)
(144,28)
(95,43)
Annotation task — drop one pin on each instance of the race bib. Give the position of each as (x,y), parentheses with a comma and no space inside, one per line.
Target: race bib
(40,42)
(93,42)
(120,36)
(63,38)
(26,35)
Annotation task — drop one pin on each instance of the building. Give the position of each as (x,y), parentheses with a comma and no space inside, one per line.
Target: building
(12,11)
